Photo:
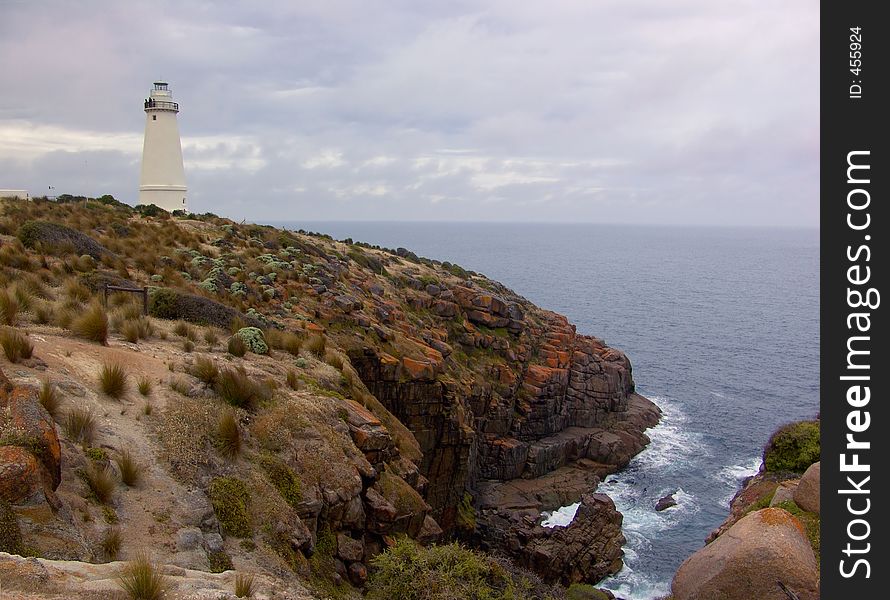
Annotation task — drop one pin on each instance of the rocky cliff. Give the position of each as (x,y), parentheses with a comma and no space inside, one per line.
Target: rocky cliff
(374,393)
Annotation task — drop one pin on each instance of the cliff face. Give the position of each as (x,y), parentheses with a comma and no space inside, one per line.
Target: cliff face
(395,395)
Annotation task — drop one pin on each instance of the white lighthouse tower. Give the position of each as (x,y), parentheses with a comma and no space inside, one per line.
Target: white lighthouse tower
(163,179)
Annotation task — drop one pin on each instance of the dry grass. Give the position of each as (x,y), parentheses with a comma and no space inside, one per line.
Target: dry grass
(15,345)
(111,543)
(76,291)
(244,585)
(9,308)
(131,470)
(50,398)
(205,370)
(236,388)
(179,385)
(144,385)
(316,344)
(188,345)
(80,425)
(228,435)
(113,380)
(236,346)
(100,481)
(211,337)
(92,325)
(293,382)
(141,579)
(44,313)
(135,329)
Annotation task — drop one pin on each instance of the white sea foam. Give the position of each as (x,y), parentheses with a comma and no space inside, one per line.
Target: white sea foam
(561,516)
(732,476)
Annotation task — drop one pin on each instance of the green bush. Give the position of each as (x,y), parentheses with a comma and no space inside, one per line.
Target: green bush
(53,236)
(583,591)
(230,499)
(166,303)
(793,447)
(219,561)
(447,572)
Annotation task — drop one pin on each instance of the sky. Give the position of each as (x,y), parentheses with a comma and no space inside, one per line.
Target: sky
(614,111)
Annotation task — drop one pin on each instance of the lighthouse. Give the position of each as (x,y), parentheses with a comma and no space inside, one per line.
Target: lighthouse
(162,182)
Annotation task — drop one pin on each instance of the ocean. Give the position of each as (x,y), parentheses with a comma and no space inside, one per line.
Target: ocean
(721,326)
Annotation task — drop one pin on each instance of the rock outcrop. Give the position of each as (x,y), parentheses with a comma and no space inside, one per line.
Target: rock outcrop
(761,556)
(806,494)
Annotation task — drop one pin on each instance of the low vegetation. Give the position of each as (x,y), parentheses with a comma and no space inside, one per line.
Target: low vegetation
(113,380)
(130,469)
(80,425)
(100,481)
(111,543)
(244,585)
(794,447)
(16,346)
(141,579)
(92,325)
(230,499)
(228,435)
(50,398)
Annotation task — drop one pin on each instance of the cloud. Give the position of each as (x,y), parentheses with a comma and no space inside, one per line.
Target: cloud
(613,111)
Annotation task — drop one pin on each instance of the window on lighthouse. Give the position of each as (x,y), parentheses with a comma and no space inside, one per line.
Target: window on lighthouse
(154,117)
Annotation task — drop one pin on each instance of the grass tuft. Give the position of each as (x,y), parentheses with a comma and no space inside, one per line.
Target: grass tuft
(205,370)
(15,345)
(50,398)
(316,344)
(111,543)
(144,385)
(236,346)
(92,325)
(113,380)
(228,435)
(100,481)
(131,471)
(141,579)
(237,388)
(244,585)
(9,308)
(80,425)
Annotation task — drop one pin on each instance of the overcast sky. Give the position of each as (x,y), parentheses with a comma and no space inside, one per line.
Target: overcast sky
(631,111)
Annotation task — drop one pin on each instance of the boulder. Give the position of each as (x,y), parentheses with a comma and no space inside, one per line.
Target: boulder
(349,549)
(807,493)
(784,492)
(753,559)
(20,476)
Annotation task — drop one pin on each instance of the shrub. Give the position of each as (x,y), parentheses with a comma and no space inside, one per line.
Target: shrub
(244,585)
(100,481)
(80,425)
(236,346)
(793,447)
(253,339)
(230,499)
(50,398)
(584,591)
(144,385)
(142,580)
(237,388)
(10,534)
(188,346)
(228,435)
(205,370)
(219,561)
(111,543)
(166,303)
(131,471)
(113,380)
(9,308)
(447,572)
(316,344)
(92,325)
(15,345)
(55,237)
(283,478)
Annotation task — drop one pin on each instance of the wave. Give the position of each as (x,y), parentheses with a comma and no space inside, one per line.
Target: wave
(732,476)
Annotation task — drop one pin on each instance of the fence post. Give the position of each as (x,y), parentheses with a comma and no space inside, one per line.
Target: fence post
(145,301)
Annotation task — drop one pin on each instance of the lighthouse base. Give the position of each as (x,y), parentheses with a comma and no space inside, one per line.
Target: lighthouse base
(168,197)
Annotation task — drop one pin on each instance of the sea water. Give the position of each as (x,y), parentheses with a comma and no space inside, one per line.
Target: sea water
(722,328)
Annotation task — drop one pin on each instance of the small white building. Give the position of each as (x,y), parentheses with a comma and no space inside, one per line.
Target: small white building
(162,181)
(18,194)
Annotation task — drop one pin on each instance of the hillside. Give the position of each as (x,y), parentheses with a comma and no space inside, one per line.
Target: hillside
(290,407)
